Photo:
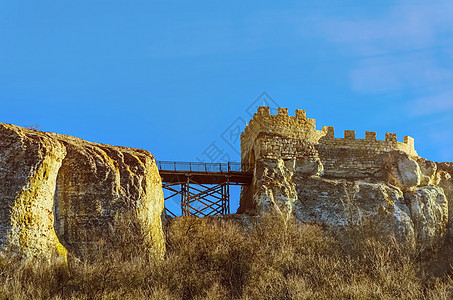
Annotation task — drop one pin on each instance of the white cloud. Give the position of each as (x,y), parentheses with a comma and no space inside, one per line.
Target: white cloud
(387,74)
(405,27)
(404,50)
(394,50)
(433,104)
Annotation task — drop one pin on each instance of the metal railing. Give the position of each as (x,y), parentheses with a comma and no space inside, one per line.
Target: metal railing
(180,166)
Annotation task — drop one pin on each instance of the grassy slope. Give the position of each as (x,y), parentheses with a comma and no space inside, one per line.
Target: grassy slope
(215,258)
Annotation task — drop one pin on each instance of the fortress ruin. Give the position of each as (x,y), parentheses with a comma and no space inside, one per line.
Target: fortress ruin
(286,137)
(369,185)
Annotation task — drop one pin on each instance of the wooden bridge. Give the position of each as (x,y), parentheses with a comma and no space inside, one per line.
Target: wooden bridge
(203,188)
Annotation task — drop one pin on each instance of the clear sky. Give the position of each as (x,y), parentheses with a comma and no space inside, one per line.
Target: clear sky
(178,77)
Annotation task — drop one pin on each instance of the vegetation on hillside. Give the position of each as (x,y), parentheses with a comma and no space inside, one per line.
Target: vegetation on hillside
(218,258)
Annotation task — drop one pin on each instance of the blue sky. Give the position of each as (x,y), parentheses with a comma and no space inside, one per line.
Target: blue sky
(172,76)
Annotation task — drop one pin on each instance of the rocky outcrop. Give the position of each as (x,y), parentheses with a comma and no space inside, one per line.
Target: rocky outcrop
(29,164)
(103,192)
(402,200)
(445,181)
(59,192)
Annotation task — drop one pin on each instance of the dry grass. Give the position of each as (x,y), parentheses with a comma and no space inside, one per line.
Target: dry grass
(214,258)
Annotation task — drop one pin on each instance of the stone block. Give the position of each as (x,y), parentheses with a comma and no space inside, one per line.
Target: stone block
(349,134)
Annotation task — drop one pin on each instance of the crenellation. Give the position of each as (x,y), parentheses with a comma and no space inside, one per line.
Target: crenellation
(282,111)
(264,111)
(283,136)
(370,136)
(330,132)
(349,134)
(301,114)
(391,137)
(409,141)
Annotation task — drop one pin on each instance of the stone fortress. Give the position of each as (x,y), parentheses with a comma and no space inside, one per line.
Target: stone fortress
(286,137)
(378,186)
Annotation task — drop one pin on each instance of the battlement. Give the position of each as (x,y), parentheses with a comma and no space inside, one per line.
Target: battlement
(264,111)
(370,142)
(283,136)
(298,126)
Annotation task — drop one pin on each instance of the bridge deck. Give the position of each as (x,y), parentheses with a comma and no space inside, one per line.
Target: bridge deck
(204,173)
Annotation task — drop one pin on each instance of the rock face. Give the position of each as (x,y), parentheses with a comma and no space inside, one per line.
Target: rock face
(445,179)
(417,216)
(381,188)
(29,164)
(59,192)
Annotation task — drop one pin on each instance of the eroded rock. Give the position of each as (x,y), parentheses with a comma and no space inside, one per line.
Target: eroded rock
(416,214)
(29,164)
(429,214)
(445,175)
(343,205)
(309,166)
(92,195)
(408,171)
(101,190)
(429,174)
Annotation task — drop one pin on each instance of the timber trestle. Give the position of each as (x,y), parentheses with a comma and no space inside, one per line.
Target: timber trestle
(202,188)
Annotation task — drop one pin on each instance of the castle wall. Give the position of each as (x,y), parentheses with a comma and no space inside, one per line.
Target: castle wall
(353,157)
(277,146)
(268,136)
(285,137)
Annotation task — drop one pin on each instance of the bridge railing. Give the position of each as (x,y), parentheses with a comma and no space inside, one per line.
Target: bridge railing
(202,167)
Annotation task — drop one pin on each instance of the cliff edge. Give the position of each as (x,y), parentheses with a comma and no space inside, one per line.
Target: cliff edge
(59,193)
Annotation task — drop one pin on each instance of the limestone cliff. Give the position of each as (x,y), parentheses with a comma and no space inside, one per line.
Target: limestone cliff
(29,164)
(58,192)
(351,185)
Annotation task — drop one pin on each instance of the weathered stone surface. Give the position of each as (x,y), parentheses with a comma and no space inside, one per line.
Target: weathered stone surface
(429,174)
(417,217)
(341,203)
(29,164)
(101,187)
(90,193)
(376,187)
(445,177)
(429,213)
(309,166)
(270,192)
(409,172)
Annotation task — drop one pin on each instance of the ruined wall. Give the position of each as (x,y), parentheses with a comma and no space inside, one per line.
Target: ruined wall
(286,137)
(279,135)
(355,158)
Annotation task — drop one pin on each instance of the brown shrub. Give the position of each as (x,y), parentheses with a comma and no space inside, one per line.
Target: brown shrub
(233,258)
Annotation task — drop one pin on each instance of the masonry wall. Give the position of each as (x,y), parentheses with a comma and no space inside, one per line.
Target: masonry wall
(277,146)
(270,136)
(353,157)
(285,137)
